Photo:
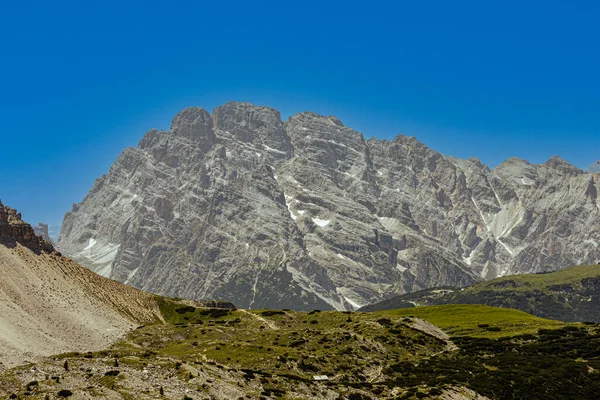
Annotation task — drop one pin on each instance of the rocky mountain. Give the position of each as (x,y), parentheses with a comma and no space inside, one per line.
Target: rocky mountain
(307,213)
(42,230)
(570,294)
(13,231)
(49,304)
(595,167)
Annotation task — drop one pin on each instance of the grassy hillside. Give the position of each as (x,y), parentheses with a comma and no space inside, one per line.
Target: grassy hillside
(571,294)
(479,321)
(396,354)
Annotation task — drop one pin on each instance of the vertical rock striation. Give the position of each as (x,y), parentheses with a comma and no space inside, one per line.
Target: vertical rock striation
(308,214)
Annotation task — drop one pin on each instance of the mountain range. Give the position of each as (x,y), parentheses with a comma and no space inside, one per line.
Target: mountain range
(595,167)
(307,213)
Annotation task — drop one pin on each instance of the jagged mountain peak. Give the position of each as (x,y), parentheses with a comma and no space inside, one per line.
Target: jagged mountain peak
(308,214)
(193,122)
(257,126)
(595,167)
(560,165)
(307,115)
(514,161)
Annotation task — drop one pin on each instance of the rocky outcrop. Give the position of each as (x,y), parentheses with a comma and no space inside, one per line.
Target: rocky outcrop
(13,230)
(307,214)
(42,230)
(595,167)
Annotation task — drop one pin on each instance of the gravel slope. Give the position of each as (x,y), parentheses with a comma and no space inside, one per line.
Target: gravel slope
(49,305)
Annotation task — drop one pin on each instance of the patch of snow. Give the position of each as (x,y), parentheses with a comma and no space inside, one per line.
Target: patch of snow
(591,241)
(301,212)
(526,181)
(273,150)
(304,128)
(469,259)
(336,143)
(288,203)
(291,178)
(321,222)
(91,244)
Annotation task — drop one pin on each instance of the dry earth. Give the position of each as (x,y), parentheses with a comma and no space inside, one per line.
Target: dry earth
(49,305)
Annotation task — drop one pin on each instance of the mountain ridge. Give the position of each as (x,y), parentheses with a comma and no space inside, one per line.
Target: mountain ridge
(307,213)
(569,294)
(595,167)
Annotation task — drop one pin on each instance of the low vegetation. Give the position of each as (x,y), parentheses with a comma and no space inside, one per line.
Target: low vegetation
(570,294)
(479,321)
(231,354)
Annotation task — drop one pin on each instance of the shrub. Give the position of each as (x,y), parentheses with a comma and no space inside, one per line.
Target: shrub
(270,313)
(186,309)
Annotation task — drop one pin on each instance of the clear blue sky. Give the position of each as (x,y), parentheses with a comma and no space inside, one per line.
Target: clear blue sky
(80,82)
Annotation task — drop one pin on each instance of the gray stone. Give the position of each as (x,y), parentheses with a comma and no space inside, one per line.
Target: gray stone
(308,214)
(595,167)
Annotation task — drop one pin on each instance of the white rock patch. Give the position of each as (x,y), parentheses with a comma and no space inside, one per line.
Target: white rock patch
(321,222)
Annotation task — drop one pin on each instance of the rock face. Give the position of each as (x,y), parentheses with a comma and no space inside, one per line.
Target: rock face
(42,230)
(595,167)
(306,214)
(13,230)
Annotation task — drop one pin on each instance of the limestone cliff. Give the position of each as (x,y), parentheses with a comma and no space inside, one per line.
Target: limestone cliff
(306,213)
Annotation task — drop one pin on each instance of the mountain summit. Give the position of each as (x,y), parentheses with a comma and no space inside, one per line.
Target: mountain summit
(308,214)
(595,167)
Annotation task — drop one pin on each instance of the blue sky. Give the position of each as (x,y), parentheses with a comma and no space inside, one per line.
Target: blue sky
(80,82)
